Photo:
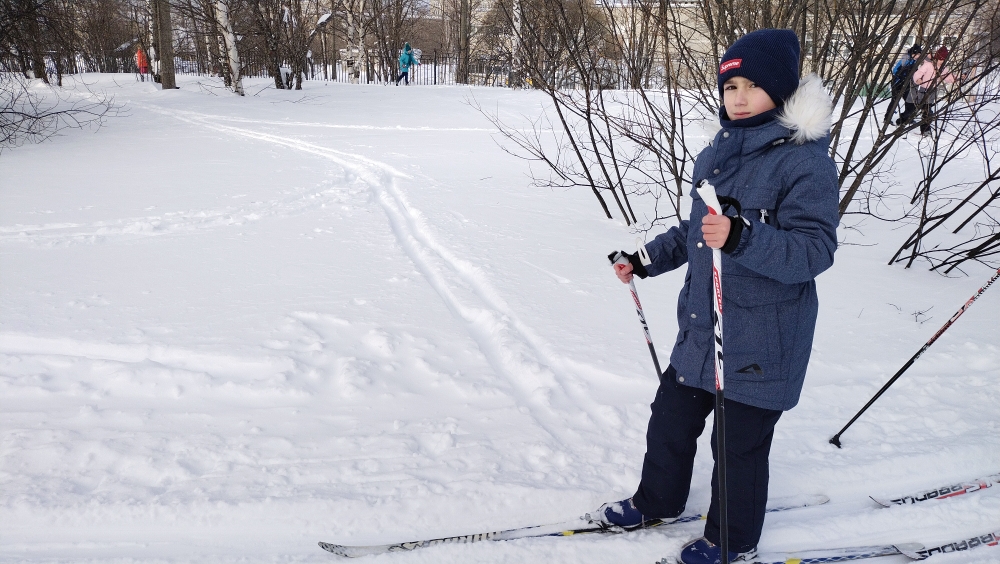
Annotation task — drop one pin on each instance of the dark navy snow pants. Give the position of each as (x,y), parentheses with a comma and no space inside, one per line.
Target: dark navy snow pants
(678,419)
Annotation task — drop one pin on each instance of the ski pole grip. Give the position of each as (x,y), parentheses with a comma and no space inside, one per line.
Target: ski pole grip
(618,257)
(707,193)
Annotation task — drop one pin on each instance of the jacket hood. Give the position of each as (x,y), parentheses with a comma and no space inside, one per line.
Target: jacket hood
(808,112)
(406,47)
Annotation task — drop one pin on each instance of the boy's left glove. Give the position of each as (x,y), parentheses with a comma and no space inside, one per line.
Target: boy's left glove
(737,224)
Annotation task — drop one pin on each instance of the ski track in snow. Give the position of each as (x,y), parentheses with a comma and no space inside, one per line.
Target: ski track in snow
(538,378)
(324,125)
(16,343)
(179,222)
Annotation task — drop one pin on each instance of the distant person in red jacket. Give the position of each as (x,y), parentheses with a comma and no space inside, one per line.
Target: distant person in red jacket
(142,63)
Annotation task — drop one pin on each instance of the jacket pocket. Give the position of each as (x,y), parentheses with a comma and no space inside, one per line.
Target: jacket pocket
(760,202)
(756,310)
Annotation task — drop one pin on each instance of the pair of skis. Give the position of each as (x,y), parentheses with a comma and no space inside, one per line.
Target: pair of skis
(589,524)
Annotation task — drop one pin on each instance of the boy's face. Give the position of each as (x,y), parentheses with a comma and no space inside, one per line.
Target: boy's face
(744,99)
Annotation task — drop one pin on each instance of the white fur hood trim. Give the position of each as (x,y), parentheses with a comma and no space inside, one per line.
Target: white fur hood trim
(808,112)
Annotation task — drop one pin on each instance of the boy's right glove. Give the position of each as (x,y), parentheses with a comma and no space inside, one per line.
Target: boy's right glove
(736,226)
(637,267)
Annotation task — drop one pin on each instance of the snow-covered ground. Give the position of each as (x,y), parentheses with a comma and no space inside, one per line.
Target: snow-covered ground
(231,328)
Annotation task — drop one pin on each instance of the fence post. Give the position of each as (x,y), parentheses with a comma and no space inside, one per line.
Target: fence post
(435,67)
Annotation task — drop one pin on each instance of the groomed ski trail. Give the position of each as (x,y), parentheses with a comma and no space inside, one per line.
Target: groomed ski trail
(538,377)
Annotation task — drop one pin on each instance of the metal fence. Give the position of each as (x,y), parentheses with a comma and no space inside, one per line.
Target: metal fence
(434,69)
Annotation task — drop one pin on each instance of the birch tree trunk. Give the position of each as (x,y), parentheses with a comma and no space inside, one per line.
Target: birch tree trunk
(229,38)
(154,39)
(363,43)
(516,78)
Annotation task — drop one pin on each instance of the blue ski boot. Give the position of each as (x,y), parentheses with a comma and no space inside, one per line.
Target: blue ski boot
(701,551)
(623,514)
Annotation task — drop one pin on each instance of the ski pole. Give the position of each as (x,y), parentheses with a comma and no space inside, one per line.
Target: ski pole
(707,193)
(618,257)
(835,440)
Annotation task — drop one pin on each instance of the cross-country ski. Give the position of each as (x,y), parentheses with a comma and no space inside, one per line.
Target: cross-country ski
(942,492)
(588,524)
(912,550)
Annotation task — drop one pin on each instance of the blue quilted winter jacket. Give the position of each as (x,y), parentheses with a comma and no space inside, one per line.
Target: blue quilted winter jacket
(406,58)
(783,176)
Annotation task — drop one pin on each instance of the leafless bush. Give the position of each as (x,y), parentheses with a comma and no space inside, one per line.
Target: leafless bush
(31,111)
(956,215)
(617,142)
(627,80)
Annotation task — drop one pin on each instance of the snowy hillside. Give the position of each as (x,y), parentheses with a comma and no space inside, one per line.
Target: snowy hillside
(231,328)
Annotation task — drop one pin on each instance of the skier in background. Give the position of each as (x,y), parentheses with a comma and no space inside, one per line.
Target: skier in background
(142,63)
(772,156)
(406,60)
(902,72)
(924,90)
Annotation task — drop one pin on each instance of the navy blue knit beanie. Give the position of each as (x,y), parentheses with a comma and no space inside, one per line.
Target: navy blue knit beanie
(769,58)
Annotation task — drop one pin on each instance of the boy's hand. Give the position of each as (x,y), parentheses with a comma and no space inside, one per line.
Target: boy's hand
(715,230)
(624,272)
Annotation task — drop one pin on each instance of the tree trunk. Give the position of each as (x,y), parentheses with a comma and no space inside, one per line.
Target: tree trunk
(58,61)
(229,39)
(322,40)
(166,41)
(270,30)
(35,55)
(297,43)
(333,46)
(153,42)
(363,45)
(464,31)
(515,79)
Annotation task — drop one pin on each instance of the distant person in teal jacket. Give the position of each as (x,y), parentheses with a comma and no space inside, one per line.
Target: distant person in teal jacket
(406,60)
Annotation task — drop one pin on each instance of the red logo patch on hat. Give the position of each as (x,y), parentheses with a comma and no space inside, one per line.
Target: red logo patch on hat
(730,65)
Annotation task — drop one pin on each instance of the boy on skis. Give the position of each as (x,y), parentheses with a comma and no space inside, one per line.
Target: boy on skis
(771,156)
